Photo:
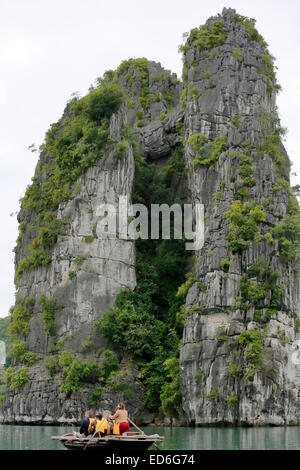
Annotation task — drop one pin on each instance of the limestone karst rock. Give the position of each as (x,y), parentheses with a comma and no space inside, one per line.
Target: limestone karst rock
(217,139)
(236,357)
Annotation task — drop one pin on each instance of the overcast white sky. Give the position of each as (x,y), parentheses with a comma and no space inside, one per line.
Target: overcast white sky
(52,48)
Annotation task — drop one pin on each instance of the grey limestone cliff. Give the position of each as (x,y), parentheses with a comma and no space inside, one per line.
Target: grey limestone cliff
(225,311)
(242,308)
(87,270)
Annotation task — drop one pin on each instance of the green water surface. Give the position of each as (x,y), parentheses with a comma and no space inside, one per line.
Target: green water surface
(179,438)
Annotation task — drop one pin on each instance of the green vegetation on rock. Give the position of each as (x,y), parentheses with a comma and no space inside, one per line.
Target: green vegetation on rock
(237,54)
(18,378)
(20,316)
(253,351)
(250,25)
(147,322)
(207,36)
(76,372)
(288,234)
(49,306)
(244,220)
(207,156)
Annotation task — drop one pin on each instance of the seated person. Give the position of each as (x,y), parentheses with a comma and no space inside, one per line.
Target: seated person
(120,419)
(88,419)
(99,426)
(110,425)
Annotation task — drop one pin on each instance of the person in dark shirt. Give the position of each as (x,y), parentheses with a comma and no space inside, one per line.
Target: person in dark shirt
(85,423)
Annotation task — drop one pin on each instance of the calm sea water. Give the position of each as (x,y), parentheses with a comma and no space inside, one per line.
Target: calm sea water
(274,438)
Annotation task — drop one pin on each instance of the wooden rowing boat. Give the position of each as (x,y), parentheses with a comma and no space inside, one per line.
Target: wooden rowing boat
(130,441)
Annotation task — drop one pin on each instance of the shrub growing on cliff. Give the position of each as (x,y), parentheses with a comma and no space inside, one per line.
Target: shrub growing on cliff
(213,394)
(244,220)
(184,288)
(103,102)
(207,36)
(29,358)
(37,259)
(17,349)
(130,326)
(254,355)
(271,145)
(237,54)
(137,76)
(109,365)
(121,150)
(218,146)
(194,92)
(17,378)
(50,306)
(288,233)
(206,74)
(232,399)
(249,23)
(197,142)
(245,168)
(95,396)
(170,396)
(20,315)
(183,98)
(22,228)
(259,289)
(78,372)
(225,265)
(87,344)
(207,157)
(48,235)
(51,365)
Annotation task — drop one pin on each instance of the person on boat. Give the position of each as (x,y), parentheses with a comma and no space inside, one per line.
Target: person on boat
(88,419)
(99,427)
(120,419)
(110,424)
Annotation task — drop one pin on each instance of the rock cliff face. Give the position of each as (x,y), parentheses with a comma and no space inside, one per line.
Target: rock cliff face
(86,270)
(243,302)
(240,324)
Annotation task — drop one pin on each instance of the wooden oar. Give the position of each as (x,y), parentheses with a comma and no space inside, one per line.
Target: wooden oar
(89,440)
(131,422)
(96,430)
